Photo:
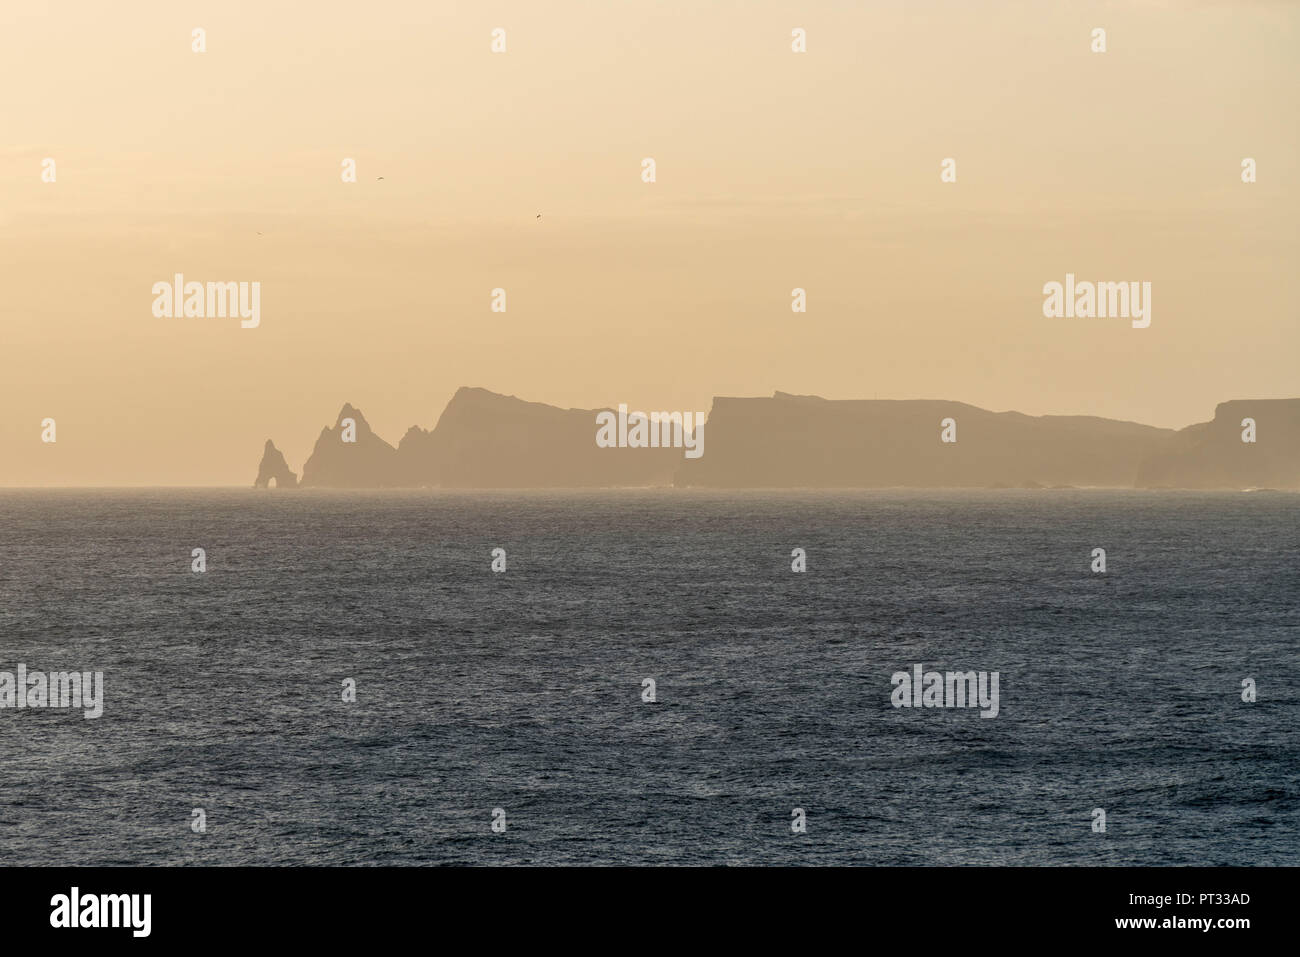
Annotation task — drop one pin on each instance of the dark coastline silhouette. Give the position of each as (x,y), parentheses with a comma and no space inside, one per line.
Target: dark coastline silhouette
(487,440)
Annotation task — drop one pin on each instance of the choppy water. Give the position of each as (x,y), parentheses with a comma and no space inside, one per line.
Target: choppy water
(522,690)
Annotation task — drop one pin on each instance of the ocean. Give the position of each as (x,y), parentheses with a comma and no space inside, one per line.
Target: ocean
(521,692)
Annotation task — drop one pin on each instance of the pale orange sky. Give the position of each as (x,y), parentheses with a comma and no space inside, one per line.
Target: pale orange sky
(775,170)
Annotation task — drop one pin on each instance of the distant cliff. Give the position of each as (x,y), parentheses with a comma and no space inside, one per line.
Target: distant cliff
(1213,455)
(350,455)
(790,441)
(484,440)
(487,440)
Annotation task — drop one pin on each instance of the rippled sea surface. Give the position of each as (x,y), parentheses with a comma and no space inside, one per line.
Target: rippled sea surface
(523,690)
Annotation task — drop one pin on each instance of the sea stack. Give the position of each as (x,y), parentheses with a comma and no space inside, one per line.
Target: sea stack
(274,468)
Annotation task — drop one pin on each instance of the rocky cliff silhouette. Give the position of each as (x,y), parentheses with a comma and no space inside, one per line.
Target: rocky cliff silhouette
(792,441)
(487,440)
(274,468)
(1212,454)
(350,455)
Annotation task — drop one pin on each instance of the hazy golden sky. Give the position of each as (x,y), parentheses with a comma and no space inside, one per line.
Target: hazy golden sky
(774,170)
